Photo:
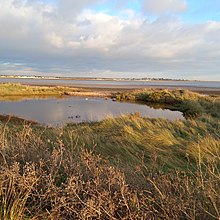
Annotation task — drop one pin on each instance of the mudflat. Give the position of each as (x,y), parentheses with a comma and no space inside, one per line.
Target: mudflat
(112,87)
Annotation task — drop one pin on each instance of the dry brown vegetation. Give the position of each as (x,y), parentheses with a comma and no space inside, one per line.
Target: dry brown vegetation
(125,168)
(44,178)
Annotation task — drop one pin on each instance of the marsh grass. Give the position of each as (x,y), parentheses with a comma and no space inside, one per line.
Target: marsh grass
(9,89)
(16,91)
(120,168)
(190,103)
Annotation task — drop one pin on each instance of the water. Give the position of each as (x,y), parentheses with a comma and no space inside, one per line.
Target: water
(112,83)
(57,112)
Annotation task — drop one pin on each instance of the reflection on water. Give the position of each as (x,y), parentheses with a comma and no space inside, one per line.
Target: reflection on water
(56,112)
(25,98)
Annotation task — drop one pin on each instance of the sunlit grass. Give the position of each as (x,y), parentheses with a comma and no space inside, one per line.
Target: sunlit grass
(10,91)
(120,168)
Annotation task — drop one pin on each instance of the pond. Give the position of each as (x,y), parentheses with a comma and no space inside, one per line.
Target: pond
(59,111)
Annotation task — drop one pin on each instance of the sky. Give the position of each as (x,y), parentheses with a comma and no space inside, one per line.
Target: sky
(178,39)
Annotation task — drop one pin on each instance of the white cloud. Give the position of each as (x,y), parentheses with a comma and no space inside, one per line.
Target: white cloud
(68,9)
(164,6)
(55,40)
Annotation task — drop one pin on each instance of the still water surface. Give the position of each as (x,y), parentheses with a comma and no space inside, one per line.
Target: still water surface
(113,83)
(57,112)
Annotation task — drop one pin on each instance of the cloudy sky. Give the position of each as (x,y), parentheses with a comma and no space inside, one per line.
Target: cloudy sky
(139,38)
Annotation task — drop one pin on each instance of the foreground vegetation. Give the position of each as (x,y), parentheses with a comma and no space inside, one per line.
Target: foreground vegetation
(124,168)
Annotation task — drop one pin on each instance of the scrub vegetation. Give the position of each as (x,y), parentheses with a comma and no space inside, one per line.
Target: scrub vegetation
(120,168)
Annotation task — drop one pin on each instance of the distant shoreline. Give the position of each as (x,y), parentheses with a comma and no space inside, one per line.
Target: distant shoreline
(145,79)
(113,84)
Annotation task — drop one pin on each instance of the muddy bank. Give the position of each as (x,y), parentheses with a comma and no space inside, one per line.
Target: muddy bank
(15,120)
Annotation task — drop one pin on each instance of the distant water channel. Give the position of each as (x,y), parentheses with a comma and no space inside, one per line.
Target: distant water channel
(116,84)
(57,112)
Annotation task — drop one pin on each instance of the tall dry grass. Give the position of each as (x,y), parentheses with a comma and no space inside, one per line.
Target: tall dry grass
(60,174)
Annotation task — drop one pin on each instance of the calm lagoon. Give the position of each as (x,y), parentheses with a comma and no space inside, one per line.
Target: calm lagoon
(59,111)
